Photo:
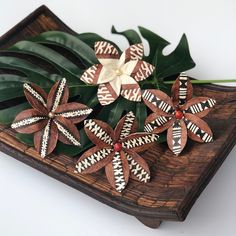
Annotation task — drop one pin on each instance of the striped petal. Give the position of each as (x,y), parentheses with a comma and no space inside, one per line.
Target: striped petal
(158,102)
(29,121)
(106,53)
(100,133)
(177,137)
(139,169)
(198,130)
(199,106)
(139,70)
(75,112)
(109,92)
(157,124)
(94,159)
(36,96)
(117,171)
(182,90)
(126,126)
(134,52)
(139,142)
(130,89)
(45,140)
(68,133)
(58,95)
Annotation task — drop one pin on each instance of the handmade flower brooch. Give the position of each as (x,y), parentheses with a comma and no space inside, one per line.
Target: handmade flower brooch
(179,115)
(116,151)
(118,75)
(51,118)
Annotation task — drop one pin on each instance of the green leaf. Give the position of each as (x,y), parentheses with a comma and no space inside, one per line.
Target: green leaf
(177,61)
(141,115)
(69,42)
(8,115)
(67,68)
(131,35)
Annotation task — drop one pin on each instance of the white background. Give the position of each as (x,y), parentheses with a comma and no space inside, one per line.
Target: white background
(32,203)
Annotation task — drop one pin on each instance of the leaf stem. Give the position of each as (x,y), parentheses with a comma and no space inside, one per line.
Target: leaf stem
(204,81)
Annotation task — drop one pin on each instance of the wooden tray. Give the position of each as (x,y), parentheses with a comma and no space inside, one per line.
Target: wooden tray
(176,182)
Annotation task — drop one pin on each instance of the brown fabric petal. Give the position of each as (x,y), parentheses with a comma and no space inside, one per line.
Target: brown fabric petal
(100,133)
(117,171)
(75,112)
(58,95)
(91,75)
(158,101)
(36,96)
(94,159)
(45,140)
(105,50)
(177,137)
(157,124)
(68,133)
(139,142)
(139,169)
(29,121)
(182,90)
(199,106)
(198,130)
(126,126)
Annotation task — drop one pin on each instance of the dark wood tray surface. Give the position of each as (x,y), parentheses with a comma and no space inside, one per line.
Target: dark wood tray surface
(176,182)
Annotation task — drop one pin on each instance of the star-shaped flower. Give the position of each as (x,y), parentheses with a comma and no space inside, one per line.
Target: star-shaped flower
(51,118)
(179,115)
(118,75)
(116,151)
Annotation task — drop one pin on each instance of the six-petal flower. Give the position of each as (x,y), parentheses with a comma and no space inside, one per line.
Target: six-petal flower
(51,118)
(118,75)
(179,115)
(116,151)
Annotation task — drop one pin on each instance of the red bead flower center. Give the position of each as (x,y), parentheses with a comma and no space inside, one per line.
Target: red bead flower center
(179,114)
(117,147)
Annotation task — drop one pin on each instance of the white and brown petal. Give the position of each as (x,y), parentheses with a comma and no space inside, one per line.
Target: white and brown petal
(139,142)
(68,133)
(117,171)
(177,137)
(199,106)
(182,90)
(100,133)
(75,112)
(198,130)
(36,96)
(126,126)
(58,95)
(45,140)
(94,159)
(158,101)
(139,169)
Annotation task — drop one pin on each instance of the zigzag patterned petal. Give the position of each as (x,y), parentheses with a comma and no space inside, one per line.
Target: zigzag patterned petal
(90,76)
(139,142)
(58,95)
(130,89)
(68,133)
(142,71)
(117,171)
(29,121)
(198,130)
(138,167)
(94,159)
(126,126)
(177,137)
(199,106)
(157,124)
(45,140)
(182,90)
(100,133)
(75,112)
(158,102)
(36,96)
(134,52)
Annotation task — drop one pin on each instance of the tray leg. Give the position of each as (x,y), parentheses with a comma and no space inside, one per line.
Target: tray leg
(149,222)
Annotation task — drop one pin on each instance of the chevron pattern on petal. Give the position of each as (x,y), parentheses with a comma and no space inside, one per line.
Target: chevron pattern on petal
(159,121)
(201,106)
(126,129)
(183,80)
(142,71)
(106,94)
(91,75)
(176,138)
(131,92)
(136,51)
(105,50)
